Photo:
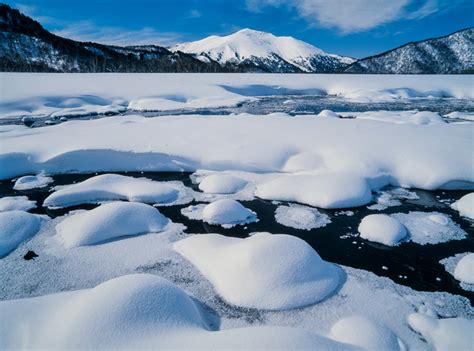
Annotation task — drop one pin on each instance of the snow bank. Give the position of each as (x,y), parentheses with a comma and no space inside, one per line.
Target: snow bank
(445,334)
(365,333)
(12,203)
(382,229)
(328,114)
(469,116)
(140,311)
(430,227)
(440,155)
(70,94)
(465,206)
(263,271)
(301,217)
(323,190)
(16,227)
(109,187)
(110,221)
(221,184)
(32,182)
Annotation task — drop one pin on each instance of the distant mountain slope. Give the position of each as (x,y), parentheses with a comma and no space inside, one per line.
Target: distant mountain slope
(26,46)
(265,52)
(452,54)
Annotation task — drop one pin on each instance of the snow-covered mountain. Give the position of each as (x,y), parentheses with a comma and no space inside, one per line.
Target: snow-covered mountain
(452,54)
(265,52)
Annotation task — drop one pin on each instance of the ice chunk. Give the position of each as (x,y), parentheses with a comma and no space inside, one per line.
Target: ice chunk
(109,187)
(366,334)
(263,271)
(221,184)
(430,227)
(11,203)
(16,227)
(32,182)
(110,221)
(382,229)
(445,334)
(301,217)
(227,213)
(322,190)
(465,206)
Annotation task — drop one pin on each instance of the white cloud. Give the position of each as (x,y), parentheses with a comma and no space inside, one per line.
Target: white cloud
(89,31)
(350,16)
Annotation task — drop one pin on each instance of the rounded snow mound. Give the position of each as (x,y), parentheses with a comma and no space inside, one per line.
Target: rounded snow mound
(221,184)
(465,206)
(110,221)
(304,162)
(329,190)
(427,117)
(136,306)
(365,333)
(263,271)
(328,114)
(32,182)
(16,227)
(111,187)
(227,212)
(12,203)
(464,271)
(382,229)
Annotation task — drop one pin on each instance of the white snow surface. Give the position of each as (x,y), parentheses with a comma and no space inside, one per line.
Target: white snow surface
(32,182)
(16,227)
(366,333)
(110,221)
(430,227)
(221,184)
(445,334)
(392,197)
(344,154)
(263,271)
(319,190)
(383,229)
(301,217)
(399,117)
(248,44)
(12,203)
(469,116)
(110,187)
(465,206)
(51,95)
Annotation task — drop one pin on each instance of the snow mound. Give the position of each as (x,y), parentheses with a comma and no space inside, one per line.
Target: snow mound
(110,187)
(301,217)
(304,162)
(110,221)
(445,334)
(430,227)
(139,311)
(323,190)
(427,117)
(465,206)
(227,213)
(328,114)
(399,117)
(16,227)
(32,182)
(221,184)
(366,334)
(12,203)
(263,271)
(464,271)
(468,116)
(382,229)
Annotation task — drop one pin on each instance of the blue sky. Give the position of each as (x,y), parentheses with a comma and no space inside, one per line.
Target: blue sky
(356,28)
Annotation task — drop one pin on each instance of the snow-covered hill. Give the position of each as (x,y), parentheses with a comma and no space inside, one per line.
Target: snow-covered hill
(453,53)
(265,52)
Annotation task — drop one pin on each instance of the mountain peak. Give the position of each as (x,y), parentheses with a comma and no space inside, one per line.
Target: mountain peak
(265,51)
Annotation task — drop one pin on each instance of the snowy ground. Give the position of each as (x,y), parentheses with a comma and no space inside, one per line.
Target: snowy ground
(353,189)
